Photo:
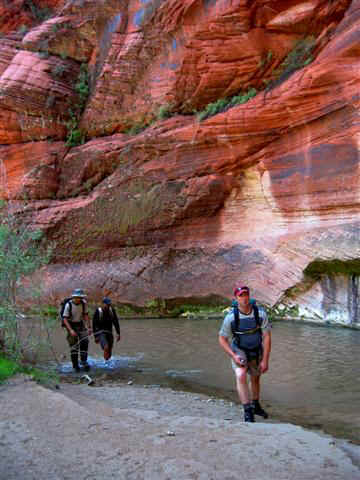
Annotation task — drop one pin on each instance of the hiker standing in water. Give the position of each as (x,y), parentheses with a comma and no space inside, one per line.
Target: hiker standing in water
(249,330)
(76,320)
(103,321)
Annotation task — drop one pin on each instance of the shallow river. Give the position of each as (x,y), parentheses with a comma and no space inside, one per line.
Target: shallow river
(313,378)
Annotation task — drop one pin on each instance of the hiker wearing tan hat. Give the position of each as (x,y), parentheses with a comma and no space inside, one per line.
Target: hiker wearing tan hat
(76,320)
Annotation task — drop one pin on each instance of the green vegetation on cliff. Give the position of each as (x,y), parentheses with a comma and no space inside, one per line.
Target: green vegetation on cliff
(75,135)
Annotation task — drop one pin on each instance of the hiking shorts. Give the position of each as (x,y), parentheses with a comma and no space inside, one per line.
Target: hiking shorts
(106,340)
(251,364)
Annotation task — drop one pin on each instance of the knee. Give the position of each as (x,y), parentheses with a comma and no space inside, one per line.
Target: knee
(255,379)
(241,375)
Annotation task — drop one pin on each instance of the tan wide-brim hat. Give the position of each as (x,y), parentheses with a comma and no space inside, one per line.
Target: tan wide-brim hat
(78,292)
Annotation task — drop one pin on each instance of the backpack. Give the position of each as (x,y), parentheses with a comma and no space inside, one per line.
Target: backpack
(250,342)
(62,308)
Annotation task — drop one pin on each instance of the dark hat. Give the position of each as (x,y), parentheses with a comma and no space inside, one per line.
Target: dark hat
(241,289)
(78,292)
(107,301)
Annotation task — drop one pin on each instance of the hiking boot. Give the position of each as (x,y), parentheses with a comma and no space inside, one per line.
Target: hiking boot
(258,410)
(85,366)
(248,413)
(249,416)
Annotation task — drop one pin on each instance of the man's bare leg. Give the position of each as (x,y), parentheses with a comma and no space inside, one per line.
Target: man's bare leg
(244,394)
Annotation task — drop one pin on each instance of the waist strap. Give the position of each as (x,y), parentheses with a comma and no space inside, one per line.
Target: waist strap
(76,324)
(253,330)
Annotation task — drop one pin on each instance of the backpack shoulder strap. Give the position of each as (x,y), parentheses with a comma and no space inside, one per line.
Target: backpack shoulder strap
(256,315)
(100,310)
(68,301)
(83,306)
(236,321)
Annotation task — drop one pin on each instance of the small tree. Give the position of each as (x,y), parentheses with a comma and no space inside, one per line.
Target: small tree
(21,254)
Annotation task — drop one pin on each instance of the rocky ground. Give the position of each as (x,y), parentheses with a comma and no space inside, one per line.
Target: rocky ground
(134,432)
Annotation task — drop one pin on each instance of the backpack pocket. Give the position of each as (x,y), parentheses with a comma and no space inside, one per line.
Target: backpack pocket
(249,341)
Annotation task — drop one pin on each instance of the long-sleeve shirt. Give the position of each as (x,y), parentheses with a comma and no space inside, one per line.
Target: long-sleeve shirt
(104,319)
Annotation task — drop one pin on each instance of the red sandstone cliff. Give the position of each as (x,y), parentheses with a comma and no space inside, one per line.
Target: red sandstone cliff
(154,207)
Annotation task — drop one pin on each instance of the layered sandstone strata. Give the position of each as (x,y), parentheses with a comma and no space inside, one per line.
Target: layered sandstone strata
(264,192)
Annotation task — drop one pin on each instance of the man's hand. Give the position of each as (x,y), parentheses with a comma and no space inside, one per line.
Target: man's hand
(118,338)
(264,366)
(89,329)
(73,333)
(239,361)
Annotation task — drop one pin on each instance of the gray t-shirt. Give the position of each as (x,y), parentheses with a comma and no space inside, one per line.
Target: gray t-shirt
(76,311)
(225,330)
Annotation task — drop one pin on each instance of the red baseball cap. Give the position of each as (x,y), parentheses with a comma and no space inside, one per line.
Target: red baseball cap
(241,289)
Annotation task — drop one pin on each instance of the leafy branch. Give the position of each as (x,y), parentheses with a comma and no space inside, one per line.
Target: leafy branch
(21,254)
(75,135)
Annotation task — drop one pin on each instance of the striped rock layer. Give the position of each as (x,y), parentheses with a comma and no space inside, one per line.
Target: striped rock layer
(159,202)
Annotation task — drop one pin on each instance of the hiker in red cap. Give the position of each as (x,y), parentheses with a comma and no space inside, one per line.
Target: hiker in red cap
(245,335)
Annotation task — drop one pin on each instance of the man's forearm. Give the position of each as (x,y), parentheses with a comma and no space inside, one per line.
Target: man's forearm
(116,322)
(223,341)
(117,327)
(266,346)
(67,324)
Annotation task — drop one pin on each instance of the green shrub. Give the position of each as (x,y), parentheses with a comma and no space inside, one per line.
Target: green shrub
(21,254)
(82,85)
(283,311)
(39,14)
(265,59)
(23,29)
(75,136)
(224,104)
(164,112)
(9,368)
(297,58)
(59,70)
(136,128)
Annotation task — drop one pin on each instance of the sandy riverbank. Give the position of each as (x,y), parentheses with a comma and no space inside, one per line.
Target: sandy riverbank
(134,432)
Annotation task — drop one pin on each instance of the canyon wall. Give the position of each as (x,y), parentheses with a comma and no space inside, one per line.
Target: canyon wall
(173,148)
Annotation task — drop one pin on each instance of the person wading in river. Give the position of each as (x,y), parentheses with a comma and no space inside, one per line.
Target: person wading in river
(245,335)
(77,323)
(104,319)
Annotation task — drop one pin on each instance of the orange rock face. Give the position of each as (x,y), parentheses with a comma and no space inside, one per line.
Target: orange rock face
(158,203)
(29,170)
(36,94)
